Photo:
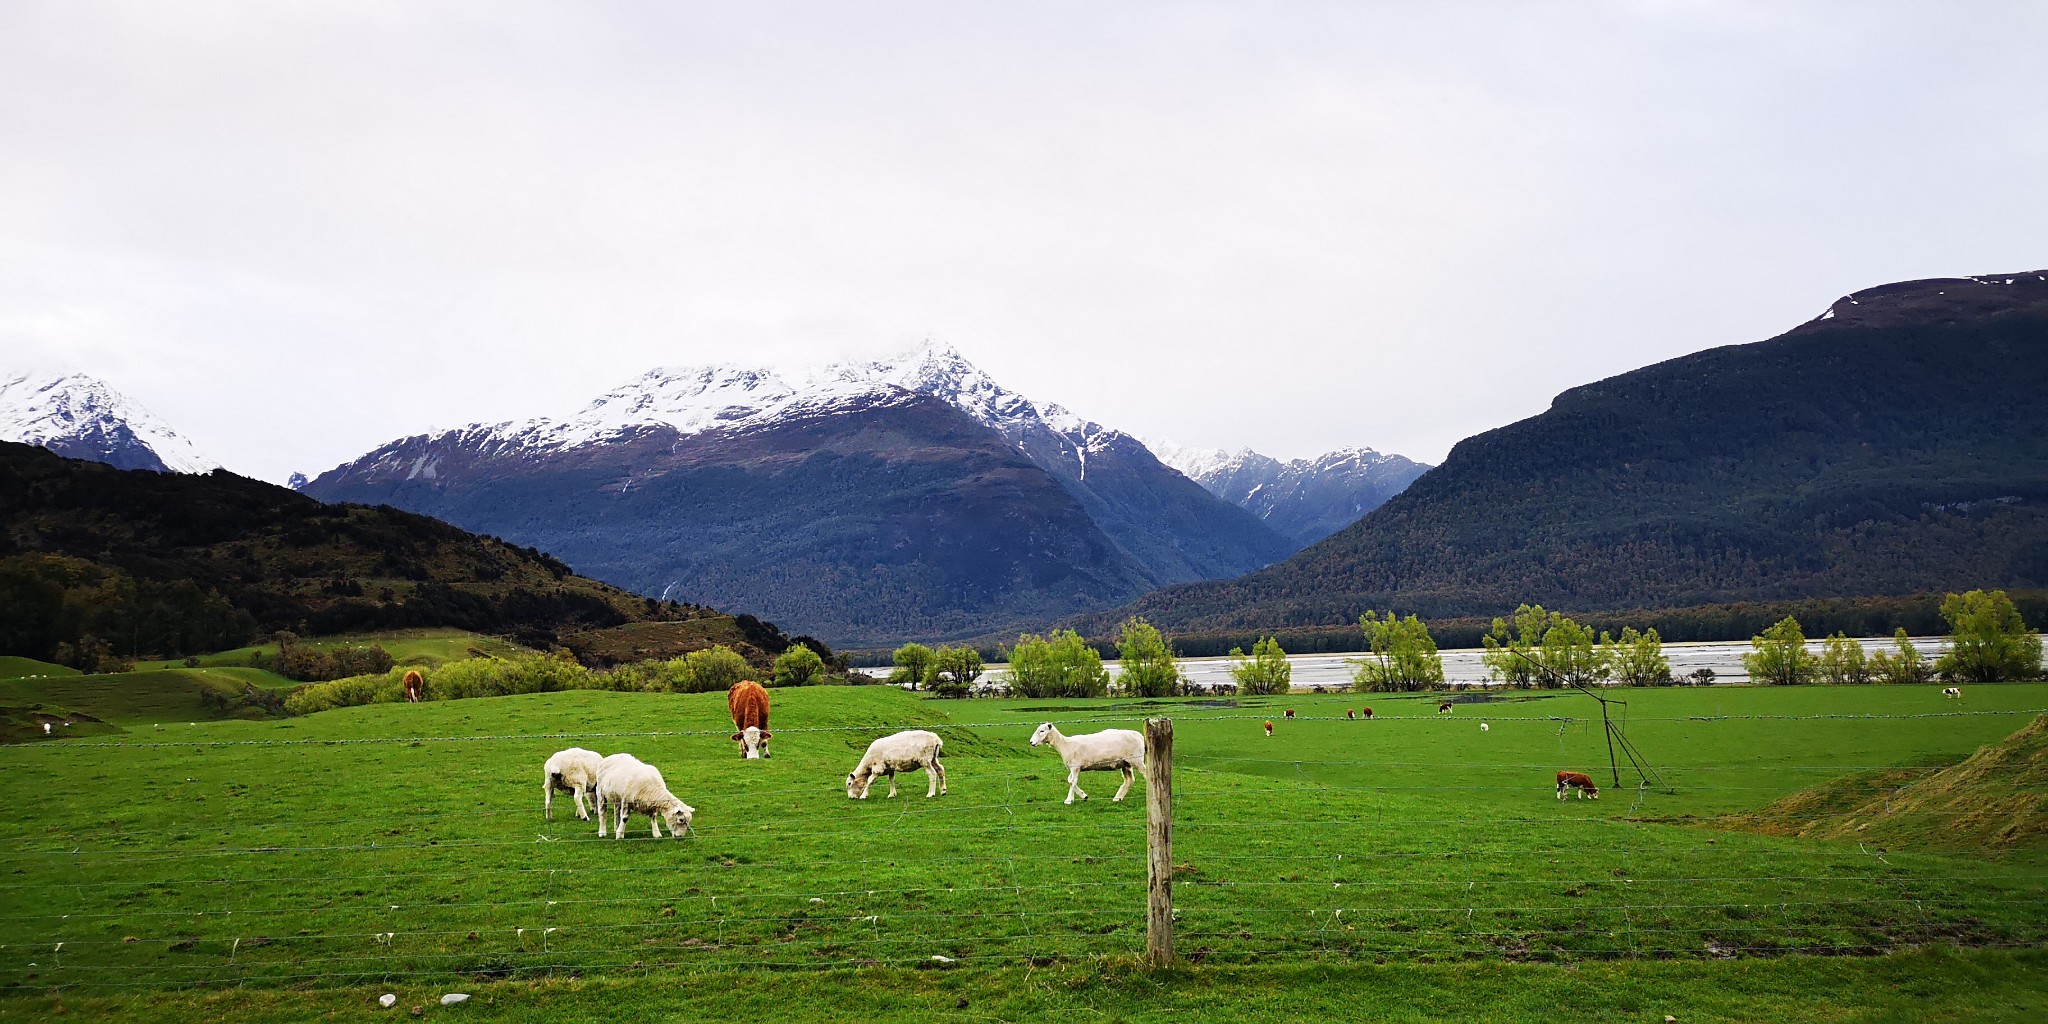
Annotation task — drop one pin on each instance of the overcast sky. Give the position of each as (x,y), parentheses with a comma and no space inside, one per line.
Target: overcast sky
(298,230)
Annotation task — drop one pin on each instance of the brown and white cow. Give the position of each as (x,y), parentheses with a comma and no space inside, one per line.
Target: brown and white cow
(1444,708)
(1350,714)
(1579,781)
(1290,712)
(415,686)
(1269,729)
(1367,714)
(749,705)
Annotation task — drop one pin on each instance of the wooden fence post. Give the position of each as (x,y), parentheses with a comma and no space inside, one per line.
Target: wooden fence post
(1159,841)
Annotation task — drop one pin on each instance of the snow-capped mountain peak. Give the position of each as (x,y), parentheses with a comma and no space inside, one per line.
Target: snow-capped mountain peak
(693,399)
(82,417)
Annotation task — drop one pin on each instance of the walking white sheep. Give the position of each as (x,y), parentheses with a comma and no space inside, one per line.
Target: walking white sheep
(905,751)
(626,784)
(572,771)
(1106,751)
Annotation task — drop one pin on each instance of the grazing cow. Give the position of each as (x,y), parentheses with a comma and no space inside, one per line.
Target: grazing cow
(1367,713)
(1350,714)
(1579,781)
(415,686)
(749,705)
(1290,712)
(1444,708)
(1269,729)
(1952,692)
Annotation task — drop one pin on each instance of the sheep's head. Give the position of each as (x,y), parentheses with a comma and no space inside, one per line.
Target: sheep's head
(753,742)
(1043,735)
(857,785)
(678,818)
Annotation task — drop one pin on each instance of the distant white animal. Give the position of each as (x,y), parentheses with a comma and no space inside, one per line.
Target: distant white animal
(1106,751)
(626,784)
(1952,692)
(572,771)
(1483,727)
(46,728)
(905,751)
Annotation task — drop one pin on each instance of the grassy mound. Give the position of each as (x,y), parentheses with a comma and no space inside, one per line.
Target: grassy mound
(12,667)
(151,697)
(1996,800)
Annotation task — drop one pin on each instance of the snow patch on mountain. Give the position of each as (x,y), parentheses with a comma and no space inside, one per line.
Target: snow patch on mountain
(83,417)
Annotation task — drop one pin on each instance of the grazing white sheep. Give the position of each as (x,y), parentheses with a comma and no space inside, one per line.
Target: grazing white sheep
(905,751)
(572,771)
(626,784)
(1107,751)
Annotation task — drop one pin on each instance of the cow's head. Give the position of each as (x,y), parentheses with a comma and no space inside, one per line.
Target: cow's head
(753,742)
(1042,735)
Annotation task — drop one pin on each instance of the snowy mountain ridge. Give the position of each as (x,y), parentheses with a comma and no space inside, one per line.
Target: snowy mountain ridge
(691,400)
(83,417)
(1305,499)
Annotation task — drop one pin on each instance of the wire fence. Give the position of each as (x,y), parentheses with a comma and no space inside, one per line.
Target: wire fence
(432,861)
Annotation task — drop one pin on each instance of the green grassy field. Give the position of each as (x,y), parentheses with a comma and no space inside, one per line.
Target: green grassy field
(402,847)
(428,647)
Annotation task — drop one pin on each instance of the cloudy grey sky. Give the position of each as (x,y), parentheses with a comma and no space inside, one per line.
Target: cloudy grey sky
(297,230)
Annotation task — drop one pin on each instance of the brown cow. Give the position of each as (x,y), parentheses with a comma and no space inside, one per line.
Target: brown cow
(415,686)
(1579,781)
(1348,713)
(1290,712)
(1269,729)
(749,705)
(1368,714)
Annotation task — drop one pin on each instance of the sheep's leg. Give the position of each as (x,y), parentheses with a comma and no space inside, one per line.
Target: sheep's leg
(619,826)
(933,776)
(600,817)
(942,775)
(547,798)
(892,783)
(1074,784)
(655,819)
(582,809)
(1124,789)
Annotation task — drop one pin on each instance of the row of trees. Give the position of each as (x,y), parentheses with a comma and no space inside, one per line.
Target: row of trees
(1537,648)
(1988,643)
(947,671)
(1546,649)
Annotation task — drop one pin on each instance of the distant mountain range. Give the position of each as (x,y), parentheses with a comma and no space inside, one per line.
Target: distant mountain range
(80,416)
(1897,443)
(865,502)
(1304,500)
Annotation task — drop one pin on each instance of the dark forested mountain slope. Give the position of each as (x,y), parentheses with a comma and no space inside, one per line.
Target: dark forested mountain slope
(160,563)
(877,515)
(1899,443)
